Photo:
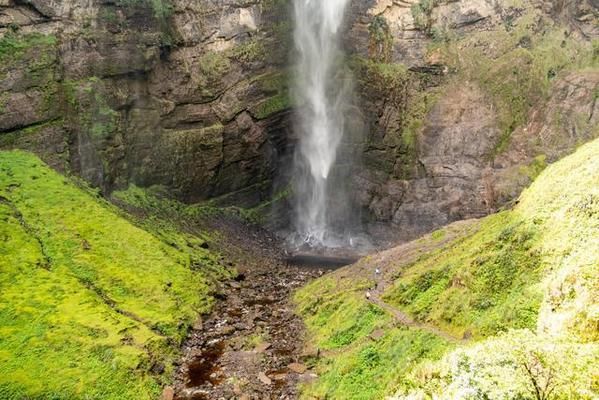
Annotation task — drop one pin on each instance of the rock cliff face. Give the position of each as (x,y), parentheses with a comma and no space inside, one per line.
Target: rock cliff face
(467,101)
(464,102)
(190,95)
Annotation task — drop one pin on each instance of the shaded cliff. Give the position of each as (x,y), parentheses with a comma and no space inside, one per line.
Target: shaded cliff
(176,93)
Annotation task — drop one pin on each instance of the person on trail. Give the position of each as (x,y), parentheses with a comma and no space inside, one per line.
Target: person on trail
(377,273)
(368,295)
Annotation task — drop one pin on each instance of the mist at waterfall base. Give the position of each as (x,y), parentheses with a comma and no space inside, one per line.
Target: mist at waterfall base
(325,215)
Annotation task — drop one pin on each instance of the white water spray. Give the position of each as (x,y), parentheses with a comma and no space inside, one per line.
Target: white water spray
(323,92)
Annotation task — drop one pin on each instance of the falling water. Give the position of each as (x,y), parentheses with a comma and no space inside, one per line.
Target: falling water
(323,90)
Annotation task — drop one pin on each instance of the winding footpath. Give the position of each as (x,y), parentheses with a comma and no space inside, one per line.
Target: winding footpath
(403,318)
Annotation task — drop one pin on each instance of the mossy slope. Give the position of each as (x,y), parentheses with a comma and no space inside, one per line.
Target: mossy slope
(91,306)
(523,277)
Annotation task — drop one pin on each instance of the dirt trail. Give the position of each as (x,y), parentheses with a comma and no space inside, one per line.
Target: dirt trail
(390,264)
(405,319)
(382,281)
(251,346)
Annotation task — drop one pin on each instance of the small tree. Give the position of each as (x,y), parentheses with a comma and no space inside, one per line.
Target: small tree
(381,42)
(542,375)
(422,12)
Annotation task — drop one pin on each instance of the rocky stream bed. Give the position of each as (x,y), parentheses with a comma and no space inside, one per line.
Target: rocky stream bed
(252,344)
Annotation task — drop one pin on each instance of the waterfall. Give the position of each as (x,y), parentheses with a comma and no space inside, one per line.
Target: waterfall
(323,92)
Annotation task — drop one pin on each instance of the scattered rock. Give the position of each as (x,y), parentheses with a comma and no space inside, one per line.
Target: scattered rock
(377,334)
(297,368)
(168,393)
(261,348)
(157,368)
(279,376)
(256,305)
(264,379)
(227,330)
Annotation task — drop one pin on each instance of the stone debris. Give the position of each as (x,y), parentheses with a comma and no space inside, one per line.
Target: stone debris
(246,345)
(264,379)
(261,348)
(168,393)
(297,368)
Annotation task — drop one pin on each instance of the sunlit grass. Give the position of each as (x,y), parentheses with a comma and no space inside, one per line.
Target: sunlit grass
(89,302)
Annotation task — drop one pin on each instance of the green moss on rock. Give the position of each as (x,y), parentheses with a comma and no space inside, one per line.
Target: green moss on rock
(515,64)
(272,105)
(14,45)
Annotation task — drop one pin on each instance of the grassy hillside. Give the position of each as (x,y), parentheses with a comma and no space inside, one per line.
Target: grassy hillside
(501,308)
(91,306)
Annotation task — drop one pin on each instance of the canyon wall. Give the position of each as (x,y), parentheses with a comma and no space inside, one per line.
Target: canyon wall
(463,102)
(467,101)
(184,94)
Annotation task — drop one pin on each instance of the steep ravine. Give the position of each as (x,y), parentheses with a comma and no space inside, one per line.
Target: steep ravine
(252,343)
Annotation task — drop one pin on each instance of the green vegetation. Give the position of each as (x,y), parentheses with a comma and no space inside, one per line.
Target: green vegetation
(401,89)
(162,8)
(370,369)
(176,224)
(105,119)
(422,13)
(381,40)
(36,55)
(272,105)
(515,365)
(482,285)
(14,45)
(340,320)
(358,363)
(213,65)
(249,51)
(89,106)
(277,86)
(274,4)
(90,304)
(156,203)
(534,169)
(530,269)
(515,64)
